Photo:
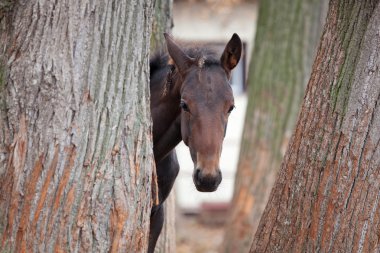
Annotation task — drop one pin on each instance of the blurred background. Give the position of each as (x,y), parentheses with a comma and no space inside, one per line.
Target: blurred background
(200,216)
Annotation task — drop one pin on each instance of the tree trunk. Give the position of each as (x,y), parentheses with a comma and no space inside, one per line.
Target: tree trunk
(167,241)
(326,197)
(163,22)
(287,36)
(75,141)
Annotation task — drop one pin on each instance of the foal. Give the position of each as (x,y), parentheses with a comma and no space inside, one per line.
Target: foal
(191,99)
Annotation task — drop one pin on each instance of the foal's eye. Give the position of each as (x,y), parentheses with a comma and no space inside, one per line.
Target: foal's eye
(184,106)
(231,108)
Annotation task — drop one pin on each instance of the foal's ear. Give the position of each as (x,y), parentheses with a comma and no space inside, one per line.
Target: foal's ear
(181,60)
(231,54)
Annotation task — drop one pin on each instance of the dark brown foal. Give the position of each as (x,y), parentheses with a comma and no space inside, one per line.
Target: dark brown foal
(191,99)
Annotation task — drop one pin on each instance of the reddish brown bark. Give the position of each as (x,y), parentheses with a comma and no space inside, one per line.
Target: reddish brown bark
(326,195)
(75,132)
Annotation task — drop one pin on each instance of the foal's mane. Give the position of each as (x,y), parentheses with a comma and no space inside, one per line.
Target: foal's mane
(204,57)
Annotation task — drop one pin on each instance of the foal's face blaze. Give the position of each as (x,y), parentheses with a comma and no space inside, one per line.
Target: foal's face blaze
(206,102)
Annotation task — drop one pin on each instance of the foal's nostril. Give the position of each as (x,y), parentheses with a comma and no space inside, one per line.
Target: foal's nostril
(197,175)
(206,182)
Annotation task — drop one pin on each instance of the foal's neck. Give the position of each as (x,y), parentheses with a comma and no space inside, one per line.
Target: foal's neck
(165,100)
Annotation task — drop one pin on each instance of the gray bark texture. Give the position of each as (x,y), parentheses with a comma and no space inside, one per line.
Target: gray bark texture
(75,131)
(162,22)
(326,196)
(167,241)
(286,42)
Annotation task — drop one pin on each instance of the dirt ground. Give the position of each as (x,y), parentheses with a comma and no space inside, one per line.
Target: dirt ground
(196,237)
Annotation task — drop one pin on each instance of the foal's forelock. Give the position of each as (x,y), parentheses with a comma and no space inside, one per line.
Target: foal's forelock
(173,75)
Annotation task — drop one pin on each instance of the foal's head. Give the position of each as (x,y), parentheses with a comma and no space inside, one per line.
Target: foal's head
(206,102)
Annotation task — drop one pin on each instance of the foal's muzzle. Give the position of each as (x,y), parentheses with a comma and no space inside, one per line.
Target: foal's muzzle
(206,182)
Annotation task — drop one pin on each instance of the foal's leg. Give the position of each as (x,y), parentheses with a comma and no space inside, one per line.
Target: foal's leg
(167,171)
(156,223)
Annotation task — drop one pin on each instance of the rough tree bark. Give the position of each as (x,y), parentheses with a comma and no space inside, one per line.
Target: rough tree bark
(287,36)
(75,141)
(167,241)
(163,22)
(326,196)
